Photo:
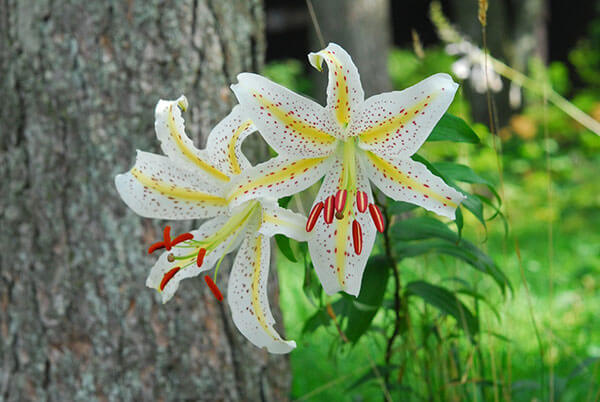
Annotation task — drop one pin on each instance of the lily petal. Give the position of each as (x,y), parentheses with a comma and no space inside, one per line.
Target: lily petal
(331,246)
(224,144)
(277,220)
(290,123)
(170,130)
(188,267)
(345,94)
(278,177)
(247,295)
(398,123)
(410,181)
(157,188)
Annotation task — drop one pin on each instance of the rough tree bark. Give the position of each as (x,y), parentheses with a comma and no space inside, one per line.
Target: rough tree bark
(363,28)
(79,82)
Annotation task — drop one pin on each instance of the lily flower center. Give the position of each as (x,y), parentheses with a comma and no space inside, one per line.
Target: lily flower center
(199,249)
(336,203)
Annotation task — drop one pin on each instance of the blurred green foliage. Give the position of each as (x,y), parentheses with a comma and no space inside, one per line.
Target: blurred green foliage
(460,335)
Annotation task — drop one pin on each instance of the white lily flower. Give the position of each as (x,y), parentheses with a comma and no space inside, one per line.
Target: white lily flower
(350,141)
(473,66)
(189,183)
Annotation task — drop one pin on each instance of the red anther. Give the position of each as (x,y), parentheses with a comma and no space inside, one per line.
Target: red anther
(213,287)
(200,258)
(340,200)
(329,209)
(168,276)
(314,216)
(362,201)
(182,237)
(357,237)
(167,237)
(156,246)
(377,217)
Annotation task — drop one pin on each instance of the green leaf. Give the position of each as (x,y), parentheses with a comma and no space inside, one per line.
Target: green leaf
(318,319)
(459,221)
(453,128)
(311,285)
(420,228)
(370,374)
(458,172)
(283,243)
(472,203)
(321,318)
(447,302)
(284,202)
(463,250)
(399,207)
(482,298)
(453,172)
(362,310)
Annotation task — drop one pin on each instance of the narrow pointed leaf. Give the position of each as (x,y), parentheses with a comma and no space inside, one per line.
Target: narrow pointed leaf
(453,128)
(447,302)
(464,250)
(283,244)
(362,310)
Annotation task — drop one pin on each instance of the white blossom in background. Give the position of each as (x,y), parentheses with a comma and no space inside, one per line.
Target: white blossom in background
(472,66)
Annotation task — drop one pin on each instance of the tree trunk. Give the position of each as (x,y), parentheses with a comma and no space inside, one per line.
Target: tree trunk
(363,28)
(79,82)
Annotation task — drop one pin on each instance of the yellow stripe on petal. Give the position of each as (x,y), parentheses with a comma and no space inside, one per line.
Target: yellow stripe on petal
(258,311)
(286,173)
(233,161)
(300,127)
(404,179)
(188,153)
(381,130)
(342,106)
(172,191)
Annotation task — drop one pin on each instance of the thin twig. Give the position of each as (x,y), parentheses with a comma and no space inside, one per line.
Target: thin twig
(315,22)
(397,288)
